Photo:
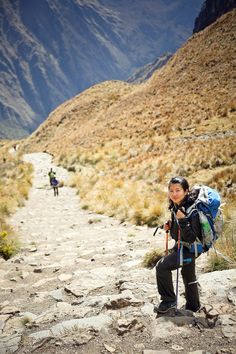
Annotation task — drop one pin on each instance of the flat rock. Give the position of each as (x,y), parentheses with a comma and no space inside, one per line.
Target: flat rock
(57,295)
(9,344)
(84,286)
(96,322)
(9,310)
(228,326)
(163,326)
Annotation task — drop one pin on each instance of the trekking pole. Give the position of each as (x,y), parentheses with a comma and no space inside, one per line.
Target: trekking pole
(178,263)
(167,238)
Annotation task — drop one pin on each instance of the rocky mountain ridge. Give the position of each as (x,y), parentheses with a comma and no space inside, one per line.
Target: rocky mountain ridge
(147,70)
(211,10)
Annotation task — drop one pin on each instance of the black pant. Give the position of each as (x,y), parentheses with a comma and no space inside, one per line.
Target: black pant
(164,278)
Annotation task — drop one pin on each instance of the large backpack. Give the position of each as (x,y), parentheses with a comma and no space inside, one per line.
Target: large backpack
(207,203)
(54,182)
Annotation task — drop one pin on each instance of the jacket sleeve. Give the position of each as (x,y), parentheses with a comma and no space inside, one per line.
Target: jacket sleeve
(190,228)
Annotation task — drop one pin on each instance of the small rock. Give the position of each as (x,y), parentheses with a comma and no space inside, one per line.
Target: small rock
(9,310)
(64,277)
(177,347)
(13,279)
(232,295)
(33,249)
(38,270)
(83,339)
(57,295)
(109,349)
(24,275)
(56,269)
(124,325)
(18,260)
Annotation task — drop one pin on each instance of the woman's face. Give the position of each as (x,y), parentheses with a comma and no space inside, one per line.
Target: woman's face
(177,193)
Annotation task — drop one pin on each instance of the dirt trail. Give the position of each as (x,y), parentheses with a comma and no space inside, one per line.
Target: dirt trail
(59,240)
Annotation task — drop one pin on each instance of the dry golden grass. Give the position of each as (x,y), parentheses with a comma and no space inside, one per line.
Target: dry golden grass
(15,181)
(128,180)
(225,255)
(151,258)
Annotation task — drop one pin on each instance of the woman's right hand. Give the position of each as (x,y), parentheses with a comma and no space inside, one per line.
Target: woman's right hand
(167,225)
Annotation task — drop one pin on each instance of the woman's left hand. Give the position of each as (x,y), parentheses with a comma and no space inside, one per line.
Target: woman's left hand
(180,214)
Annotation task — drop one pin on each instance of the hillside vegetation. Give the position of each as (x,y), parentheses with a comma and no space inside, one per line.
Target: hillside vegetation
(15,182)
(123,142)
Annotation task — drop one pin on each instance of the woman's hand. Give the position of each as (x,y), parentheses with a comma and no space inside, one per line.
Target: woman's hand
(180,214)
(167,225)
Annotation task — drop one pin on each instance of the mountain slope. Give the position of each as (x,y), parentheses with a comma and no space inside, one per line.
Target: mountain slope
(51,50)
(198,83)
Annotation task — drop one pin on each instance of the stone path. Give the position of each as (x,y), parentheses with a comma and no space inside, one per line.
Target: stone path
(78,285)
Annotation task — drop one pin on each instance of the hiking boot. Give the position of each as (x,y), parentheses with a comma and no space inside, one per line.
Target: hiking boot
(165,306)
(196,309)
(193,309)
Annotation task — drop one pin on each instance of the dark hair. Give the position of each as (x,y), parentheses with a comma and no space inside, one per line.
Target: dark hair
(180,180)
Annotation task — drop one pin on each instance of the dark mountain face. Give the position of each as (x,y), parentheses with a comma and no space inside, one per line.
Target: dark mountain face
(210,11)
(51,50)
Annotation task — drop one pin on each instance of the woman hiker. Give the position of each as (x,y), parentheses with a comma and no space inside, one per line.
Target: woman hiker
(187,228)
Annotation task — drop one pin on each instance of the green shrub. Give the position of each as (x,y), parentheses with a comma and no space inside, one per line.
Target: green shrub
(8,245)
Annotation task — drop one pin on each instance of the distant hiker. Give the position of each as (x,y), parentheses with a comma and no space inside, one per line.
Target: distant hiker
(51,175)
(14,147)
(184,229)
(55,183)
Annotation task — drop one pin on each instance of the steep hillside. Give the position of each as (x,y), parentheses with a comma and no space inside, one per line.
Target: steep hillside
(182,120)
(50,50)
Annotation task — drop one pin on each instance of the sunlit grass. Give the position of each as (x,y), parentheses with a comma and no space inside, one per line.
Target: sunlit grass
(225,255)
(15,182)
